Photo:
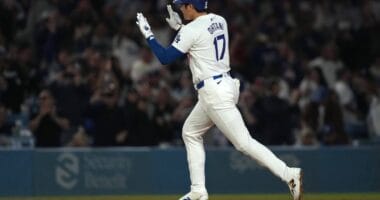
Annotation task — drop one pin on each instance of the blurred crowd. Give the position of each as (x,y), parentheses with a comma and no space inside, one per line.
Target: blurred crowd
(78,72)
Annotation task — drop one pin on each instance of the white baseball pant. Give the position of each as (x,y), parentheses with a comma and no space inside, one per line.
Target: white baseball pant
(217,106)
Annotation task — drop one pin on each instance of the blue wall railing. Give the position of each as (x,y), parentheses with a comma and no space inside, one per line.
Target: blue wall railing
(119,171)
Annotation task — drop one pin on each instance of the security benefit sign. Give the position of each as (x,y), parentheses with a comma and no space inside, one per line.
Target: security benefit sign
(67,170)
(88,172)
(105,172)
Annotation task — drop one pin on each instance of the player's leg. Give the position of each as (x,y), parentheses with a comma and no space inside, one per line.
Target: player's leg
(219,98)
(230,122)
(196,124)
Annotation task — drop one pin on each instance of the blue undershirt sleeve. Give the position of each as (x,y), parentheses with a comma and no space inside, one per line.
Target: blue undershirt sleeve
(164,55)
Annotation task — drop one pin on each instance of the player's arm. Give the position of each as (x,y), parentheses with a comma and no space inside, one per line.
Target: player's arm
(164,55)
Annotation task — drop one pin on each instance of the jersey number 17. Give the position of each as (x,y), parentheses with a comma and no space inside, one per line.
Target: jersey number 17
(220,46)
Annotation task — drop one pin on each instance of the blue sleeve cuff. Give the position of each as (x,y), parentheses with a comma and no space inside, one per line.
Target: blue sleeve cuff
(164,55)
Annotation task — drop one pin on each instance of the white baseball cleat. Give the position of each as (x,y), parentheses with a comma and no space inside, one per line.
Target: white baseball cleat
(295,184)
(195,196)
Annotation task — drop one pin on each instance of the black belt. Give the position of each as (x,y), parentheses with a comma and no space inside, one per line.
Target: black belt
(201,84)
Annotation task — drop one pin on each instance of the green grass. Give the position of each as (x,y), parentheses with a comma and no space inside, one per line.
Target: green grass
(364,196)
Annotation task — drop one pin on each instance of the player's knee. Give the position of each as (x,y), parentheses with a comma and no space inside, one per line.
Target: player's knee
(186,133)
(242,146)
(190,135)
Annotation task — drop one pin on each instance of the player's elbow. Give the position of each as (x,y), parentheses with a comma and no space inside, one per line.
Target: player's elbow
(243,146)
(166,56)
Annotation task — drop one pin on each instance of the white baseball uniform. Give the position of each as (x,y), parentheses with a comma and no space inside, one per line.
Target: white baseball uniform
(205,39)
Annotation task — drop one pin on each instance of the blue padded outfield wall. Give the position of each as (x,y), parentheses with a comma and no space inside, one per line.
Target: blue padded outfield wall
(119,171)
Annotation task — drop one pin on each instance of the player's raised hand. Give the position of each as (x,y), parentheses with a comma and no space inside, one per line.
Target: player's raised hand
(174,19)
(143,25)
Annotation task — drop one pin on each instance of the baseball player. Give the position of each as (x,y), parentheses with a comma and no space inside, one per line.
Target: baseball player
(205,42)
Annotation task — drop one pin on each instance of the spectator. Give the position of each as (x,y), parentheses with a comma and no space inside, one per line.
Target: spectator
(310,85)
(273,118)
(329,63)
(50,35)
(374,70)
(310,124)
(162,116)
(264,58)
(5,125)
(110,18)
(179,116)
(72,96)
(104,117)
(131,113)
(184,87)
(374,115)
(84,18)
(138,110)
(351,115)
(84,13)
(47,125)
(3,86)
(246,104)
(144,65)
(102,36)
(11,16)
(14,88)
(125,48)
(332,132)
(2,45)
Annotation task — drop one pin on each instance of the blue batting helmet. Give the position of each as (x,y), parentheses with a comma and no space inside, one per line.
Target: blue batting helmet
(198,4)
